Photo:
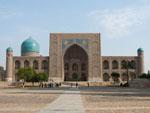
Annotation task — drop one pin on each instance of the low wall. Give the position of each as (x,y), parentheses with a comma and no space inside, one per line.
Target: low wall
(140,83)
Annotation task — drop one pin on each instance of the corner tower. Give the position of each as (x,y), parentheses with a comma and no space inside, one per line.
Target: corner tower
(9,65)
(140,53)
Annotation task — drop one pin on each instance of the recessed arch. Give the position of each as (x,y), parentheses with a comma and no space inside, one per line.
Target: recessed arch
(44,65)
(26,64)
(105,64)
(35,64)
(106,77)
(124,77)
(133,64)
(17,64)
(74,58)
(115,64)
(72,44)
(124,64)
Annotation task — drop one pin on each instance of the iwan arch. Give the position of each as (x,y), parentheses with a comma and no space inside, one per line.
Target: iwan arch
(73,57)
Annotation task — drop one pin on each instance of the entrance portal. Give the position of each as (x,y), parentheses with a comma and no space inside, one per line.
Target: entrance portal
(75,64)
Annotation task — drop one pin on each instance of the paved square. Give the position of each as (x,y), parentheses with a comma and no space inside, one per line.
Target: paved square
(75,100)
(116,100)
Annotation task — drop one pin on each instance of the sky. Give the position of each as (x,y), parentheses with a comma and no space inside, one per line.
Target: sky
(124,24)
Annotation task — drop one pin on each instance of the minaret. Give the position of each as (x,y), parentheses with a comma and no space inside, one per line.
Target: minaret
(9,65)
(140,53)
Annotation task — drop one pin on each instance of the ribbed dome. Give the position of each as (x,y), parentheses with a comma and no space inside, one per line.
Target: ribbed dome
(9,49)
(30,45)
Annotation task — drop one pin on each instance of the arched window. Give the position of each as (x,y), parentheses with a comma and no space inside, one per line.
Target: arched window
(35,64)
(106,64)
(106,77)
(123,64)
(132,75)
(124,77)
(44,64)
(115,76)
(83,67)
(75,67)
(67,66)
(17,64)
(83,77)
(115,64)
(132,64)
(26,64)
(66,77)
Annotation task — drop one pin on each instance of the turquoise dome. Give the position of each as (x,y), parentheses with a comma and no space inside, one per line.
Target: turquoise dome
(9,49)
(30,45)
(140,50)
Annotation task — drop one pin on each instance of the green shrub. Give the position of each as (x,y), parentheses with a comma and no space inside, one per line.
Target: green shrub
(145,76)
(115,76)
(30,75)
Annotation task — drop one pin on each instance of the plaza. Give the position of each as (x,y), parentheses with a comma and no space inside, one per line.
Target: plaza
(74,56)
(75,100)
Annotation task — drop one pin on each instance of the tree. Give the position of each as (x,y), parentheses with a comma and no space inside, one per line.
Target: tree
(26,74)
(145,76)
(43,77)
(115,76)
(20,74)
(35,78)
(30,75)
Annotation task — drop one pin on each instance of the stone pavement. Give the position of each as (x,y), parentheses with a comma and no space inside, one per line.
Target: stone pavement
(69,102)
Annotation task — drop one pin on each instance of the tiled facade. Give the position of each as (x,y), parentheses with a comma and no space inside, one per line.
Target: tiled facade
(77,56)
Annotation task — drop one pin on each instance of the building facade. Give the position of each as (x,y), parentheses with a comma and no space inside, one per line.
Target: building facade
(74,57)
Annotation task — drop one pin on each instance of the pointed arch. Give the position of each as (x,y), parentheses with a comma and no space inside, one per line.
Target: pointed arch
(17,64)
(35,64)
(105,64)
(73,44)
(26,64)
(75,61)
(44,64)
(115,64)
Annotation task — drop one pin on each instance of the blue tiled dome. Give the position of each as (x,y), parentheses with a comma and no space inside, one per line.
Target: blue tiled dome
(140,50)
(30,45)
(9,49)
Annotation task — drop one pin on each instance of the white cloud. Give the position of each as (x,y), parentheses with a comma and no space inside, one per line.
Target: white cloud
(117,23)
(7,14)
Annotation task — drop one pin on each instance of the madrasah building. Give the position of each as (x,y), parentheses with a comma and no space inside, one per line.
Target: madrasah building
(73,57)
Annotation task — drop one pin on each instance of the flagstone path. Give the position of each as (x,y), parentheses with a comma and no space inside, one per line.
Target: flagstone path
(68,102)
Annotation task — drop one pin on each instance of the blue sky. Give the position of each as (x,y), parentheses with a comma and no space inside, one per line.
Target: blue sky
(124,24)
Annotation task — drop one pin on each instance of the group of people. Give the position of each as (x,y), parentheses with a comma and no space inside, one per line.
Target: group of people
(76,85)
(55,84)
(49,85)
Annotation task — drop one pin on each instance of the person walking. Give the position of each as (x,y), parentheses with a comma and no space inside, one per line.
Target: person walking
(76,85)
(88,84)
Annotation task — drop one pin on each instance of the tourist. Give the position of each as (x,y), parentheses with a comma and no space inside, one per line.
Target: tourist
(76,84)
(88,84)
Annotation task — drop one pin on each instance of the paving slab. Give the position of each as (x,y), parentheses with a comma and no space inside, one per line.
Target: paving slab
(68,102)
